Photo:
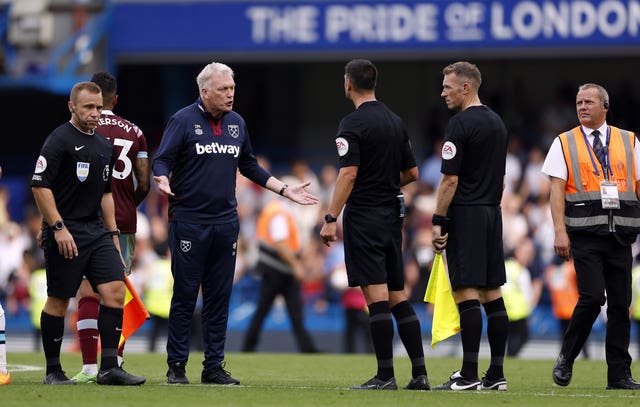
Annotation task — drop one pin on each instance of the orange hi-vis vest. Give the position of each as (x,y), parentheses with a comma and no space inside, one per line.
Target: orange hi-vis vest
(267,252)
(583,206)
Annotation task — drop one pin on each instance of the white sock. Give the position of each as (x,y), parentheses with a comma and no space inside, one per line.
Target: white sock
(90,370)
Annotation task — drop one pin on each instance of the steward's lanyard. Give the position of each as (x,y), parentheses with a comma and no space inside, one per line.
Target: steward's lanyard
(606,152)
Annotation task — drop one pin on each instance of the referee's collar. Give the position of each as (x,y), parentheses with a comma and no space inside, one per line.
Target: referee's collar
(367,102)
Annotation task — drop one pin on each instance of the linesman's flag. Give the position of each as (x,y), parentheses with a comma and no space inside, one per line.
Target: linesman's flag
(135,313)
(446,319)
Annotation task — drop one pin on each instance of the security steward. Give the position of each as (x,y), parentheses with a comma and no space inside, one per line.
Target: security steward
(596,214)
(281,271)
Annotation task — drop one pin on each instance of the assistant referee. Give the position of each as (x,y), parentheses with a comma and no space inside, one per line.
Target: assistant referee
(468,206)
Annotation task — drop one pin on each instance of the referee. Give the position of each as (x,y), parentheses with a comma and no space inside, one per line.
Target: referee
(376,159)
(72,187)
(468,206)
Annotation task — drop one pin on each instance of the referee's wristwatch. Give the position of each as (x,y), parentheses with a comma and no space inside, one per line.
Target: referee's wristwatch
(114,232)
(329,219)
(58,225)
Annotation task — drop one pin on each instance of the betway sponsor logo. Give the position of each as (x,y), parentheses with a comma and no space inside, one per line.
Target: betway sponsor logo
(215,148)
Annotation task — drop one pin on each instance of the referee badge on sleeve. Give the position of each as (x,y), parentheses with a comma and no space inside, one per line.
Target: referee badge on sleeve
(342,145)
(448,150)
(41,165)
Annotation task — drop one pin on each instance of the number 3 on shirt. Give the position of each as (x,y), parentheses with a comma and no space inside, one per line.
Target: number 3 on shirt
(128,165)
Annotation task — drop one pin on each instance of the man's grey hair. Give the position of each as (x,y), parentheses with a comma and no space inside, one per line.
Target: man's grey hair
(208,71)
(604,95)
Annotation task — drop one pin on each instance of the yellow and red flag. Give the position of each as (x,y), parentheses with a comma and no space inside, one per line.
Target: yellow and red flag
(135,313)
(446,319)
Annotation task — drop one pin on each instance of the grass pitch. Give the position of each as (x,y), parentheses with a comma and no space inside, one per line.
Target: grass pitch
(307,380)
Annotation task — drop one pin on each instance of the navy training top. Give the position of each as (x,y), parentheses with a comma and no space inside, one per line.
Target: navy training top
(201,155)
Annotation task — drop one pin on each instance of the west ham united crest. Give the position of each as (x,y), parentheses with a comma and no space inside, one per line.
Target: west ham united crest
(234,130)
(185,245)
(197,129)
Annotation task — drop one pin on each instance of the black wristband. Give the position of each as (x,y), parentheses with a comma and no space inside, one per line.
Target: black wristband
(329,219)
(439,220)
(284,187)
(114,232)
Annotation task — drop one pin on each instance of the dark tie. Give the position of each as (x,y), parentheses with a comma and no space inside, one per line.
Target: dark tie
(597,147)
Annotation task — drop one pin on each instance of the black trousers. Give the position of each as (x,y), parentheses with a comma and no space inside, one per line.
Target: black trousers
(564,324)
(603,270)
(274,283)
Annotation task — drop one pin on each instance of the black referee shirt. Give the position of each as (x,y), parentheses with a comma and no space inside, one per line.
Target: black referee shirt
(475,149)
(77,168)
(375,139)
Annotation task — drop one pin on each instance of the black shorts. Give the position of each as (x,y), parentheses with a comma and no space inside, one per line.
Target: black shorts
(475,254)
(97,259)
(373,246)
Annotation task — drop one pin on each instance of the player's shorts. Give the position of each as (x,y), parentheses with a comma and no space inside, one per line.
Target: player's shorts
(475,254)
(97,259)
(373,246)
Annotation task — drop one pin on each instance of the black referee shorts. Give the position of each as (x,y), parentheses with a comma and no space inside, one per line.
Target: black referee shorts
(97,259)
(373,246)
(475,254)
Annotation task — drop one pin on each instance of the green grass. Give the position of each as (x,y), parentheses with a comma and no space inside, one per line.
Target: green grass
(307,380)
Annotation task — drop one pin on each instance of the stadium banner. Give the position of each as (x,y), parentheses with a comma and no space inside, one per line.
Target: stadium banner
(316,26)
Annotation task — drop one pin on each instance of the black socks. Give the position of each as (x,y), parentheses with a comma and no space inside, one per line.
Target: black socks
(382,331)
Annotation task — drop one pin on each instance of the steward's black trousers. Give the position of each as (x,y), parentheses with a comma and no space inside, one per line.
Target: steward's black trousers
(603,270)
